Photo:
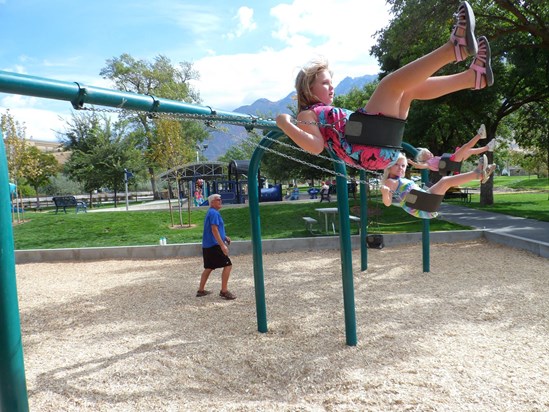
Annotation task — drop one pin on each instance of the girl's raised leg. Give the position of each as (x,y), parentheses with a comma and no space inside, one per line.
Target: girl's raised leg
(387,97)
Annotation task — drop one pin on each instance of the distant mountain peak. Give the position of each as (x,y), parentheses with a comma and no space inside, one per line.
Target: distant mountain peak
(220,142)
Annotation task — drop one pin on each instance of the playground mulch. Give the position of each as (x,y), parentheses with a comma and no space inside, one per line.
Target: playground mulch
(470,335)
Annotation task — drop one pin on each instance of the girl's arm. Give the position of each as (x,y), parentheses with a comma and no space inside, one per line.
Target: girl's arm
(417,165)
(387,189)
(306,136)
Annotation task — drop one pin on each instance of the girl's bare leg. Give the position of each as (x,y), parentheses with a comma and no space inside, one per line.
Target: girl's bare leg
(481,172)
(467,150)
(466,154)
(388,96)
(434,87)
(442,186)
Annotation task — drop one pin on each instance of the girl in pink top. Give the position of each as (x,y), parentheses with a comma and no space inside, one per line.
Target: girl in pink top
(392,97)
(426,160)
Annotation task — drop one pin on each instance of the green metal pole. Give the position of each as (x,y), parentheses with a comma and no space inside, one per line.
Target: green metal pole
(425,238)
(346,254)
(257,250)
(426,233)
(13,388)
(363,221)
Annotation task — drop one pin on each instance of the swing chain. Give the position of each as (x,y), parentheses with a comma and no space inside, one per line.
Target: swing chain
(303,162)
(207,119)
(229,120)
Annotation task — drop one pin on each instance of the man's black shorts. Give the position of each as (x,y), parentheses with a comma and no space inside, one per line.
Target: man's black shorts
(215,258)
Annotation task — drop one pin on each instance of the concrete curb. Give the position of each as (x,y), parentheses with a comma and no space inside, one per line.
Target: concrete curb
(518,242)
(237,247)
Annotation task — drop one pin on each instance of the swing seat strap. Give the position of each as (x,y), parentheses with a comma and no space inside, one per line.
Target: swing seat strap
(420,200)
(374,130)
(447,167)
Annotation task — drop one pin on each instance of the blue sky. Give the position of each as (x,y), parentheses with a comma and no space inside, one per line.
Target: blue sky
(242,50)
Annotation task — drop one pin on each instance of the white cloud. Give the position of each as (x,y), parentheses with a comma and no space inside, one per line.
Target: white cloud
(245,17)
(40,124)
(346,28)
(340,30)
(196,18)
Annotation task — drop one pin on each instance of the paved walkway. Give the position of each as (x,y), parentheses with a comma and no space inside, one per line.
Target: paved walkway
(514,231)
(496,222)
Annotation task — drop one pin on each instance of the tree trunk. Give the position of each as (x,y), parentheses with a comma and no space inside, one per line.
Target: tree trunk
(37,198)
(156,195)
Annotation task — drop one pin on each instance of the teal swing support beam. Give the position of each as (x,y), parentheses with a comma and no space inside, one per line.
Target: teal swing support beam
(13,391)
(79,95)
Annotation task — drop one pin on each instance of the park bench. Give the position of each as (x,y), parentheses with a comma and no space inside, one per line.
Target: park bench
(69,201)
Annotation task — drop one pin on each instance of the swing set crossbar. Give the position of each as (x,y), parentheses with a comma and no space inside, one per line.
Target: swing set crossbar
(79,95)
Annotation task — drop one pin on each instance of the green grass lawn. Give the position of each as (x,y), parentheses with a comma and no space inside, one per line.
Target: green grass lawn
(46,230)
(529,197)
(528,205)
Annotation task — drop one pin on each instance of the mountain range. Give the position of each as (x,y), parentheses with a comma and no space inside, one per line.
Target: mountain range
(220,142)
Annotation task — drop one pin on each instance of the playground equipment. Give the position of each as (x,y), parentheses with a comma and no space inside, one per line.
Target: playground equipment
(229,181)
(13,394)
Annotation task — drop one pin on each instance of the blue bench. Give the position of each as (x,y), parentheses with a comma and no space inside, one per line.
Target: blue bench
(69,201)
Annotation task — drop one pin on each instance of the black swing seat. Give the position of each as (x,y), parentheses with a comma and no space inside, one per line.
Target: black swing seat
(447,167)
(420,200)
(374,130)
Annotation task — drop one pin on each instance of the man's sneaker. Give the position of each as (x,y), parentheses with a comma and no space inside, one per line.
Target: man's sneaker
(227,295)
(491,145)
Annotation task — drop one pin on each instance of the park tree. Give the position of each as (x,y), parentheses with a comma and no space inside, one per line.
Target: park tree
(172,148)
(100,151)
(37,169)
(13,133)
(519,39)
(159,78)
(532,133)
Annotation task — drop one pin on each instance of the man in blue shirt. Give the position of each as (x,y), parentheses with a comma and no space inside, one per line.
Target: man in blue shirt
(215,249)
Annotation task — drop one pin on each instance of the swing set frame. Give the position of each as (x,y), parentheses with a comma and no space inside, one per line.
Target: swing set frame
(13,392)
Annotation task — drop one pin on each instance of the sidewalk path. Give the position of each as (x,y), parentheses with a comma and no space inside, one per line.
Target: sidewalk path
(516,228)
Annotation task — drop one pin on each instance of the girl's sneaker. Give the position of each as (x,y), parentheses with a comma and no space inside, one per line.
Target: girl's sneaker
(489,170)
(482,131)
(491,145)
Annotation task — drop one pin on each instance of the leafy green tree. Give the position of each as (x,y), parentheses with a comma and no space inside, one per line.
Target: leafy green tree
(38,168)
(13,133)
(100,152)
(532,132)
(157,78)
(171,149)
(519,39)
(14,139)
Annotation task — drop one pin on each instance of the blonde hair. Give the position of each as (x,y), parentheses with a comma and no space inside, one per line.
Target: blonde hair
(386,170)
(422,153)
(304,81)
